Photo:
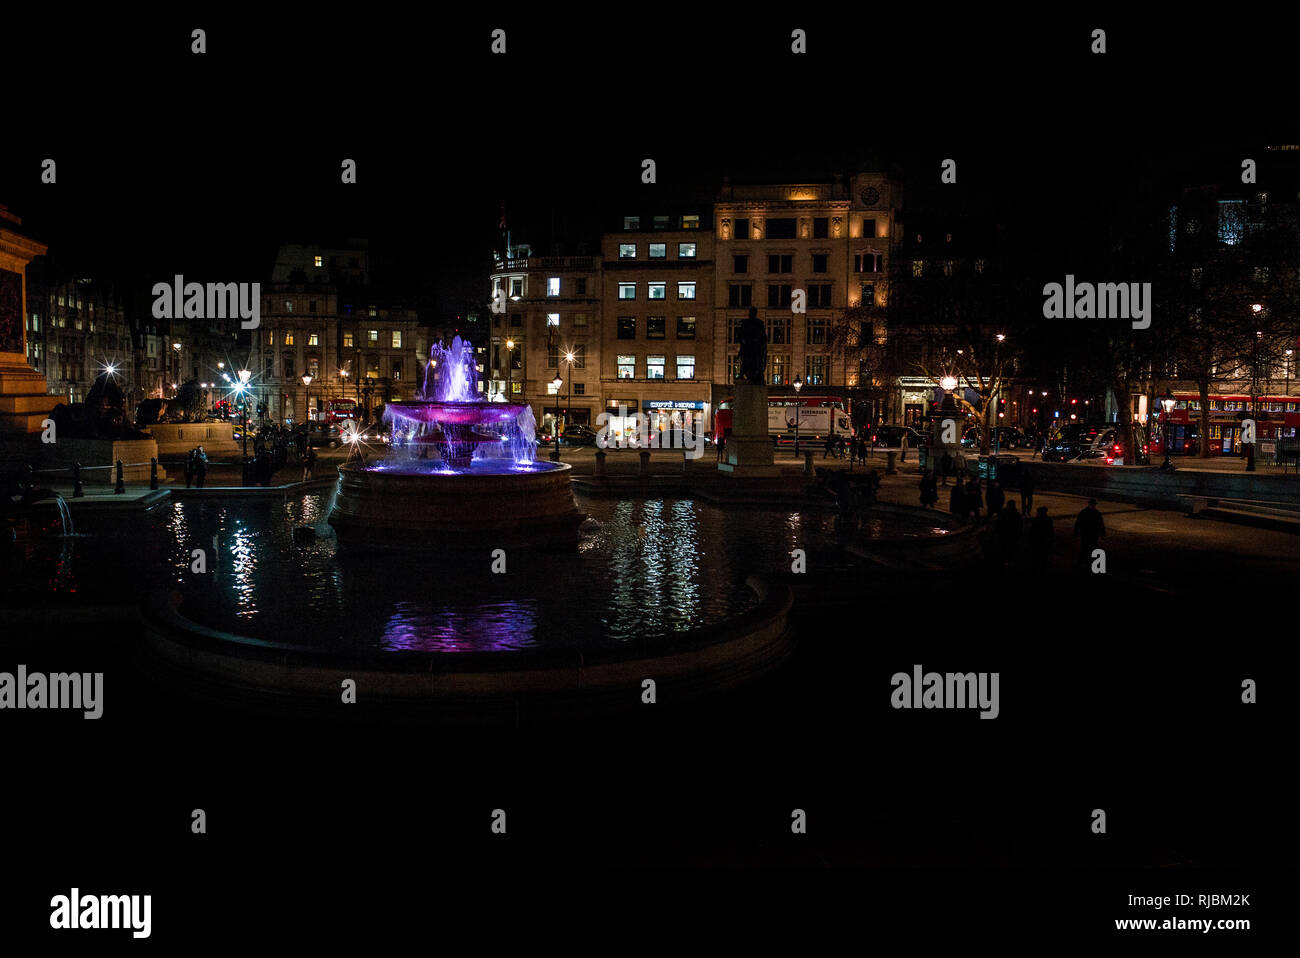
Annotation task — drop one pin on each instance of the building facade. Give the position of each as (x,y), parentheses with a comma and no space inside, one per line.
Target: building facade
(324,335)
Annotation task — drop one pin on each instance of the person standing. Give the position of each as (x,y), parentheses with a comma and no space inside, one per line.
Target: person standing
(1089,527)
(200,465)
(973,499)
(1040,540)
(1026,491)
(995,499)
(189,467)
(1010,525)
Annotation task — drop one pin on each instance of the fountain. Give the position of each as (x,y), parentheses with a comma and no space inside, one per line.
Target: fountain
(459,470)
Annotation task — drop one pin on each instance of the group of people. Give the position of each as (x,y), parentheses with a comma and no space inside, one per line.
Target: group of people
(196,467)
(856,448)
(1004,521)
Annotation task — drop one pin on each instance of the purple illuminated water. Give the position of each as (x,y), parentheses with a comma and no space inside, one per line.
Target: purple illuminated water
(450,430)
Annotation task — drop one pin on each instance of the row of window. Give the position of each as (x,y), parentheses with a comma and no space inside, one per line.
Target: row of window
(691,221)
(781,296)
(657,250)
(654,367)
(656,327)
(685,290)
(780,330)
(349,339)
(780,369)
(787,227)
(289,368)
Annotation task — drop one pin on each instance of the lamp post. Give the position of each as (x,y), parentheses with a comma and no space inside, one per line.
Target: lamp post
(1168,402)
(306,403)
(568,398)
(557,382)
(997,431)
(1286,367)
(798,385)
(510,363)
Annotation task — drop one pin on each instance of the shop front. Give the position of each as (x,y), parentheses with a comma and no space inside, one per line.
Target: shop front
(670,417)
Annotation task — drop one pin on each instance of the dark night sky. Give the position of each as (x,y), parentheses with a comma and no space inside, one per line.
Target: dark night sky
(203,165)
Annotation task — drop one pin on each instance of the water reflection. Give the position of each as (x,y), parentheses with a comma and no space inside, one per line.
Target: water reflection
(654,566)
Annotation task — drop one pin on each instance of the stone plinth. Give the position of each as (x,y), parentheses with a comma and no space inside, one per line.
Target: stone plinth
(24,399)
(134,453)
(178,438)
(749,448)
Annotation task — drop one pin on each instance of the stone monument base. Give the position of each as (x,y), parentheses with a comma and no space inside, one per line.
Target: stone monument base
(134,453)
(24,399)
(749,450)
(178,438)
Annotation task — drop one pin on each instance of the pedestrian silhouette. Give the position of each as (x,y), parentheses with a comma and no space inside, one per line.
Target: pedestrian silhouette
(1040,539)
(1089,527)
(1026,491)
(1009,528)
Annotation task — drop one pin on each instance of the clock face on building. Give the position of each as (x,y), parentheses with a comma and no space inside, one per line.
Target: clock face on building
(870,196)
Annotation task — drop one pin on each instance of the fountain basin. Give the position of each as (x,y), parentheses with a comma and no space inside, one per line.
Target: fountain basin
(392,505)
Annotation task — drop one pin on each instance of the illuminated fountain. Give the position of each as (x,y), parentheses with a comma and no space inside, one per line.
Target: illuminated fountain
(460,472)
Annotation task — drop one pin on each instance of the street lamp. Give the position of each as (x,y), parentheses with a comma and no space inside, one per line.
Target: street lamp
(798,385)
(306,402)
(1286,366)
(557,382)
(568,399)
(1168,402)
(510,363)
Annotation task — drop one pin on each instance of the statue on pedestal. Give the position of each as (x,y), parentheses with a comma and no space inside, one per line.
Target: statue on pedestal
(753,350)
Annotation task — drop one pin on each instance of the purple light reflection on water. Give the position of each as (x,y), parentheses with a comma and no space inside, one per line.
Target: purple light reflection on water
(504,626)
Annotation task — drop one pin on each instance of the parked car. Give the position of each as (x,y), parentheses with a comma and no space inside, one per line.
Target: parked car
(1003,437)
(577,434)
(892,436)
(324,434)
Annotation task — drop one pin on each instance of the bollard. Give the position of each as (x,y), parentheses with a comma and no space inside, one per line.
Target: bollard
(120,488)
(807,463)
(153,473)
(645,462)
(600,463)
(889,463)
(77,489)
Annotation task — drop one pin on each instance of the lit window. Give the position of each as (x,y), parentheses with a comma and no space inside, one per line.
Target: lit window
(373,335)
(288,338)
(691,222)
(654,367)
(663,222)
(397,371)
(553,319)
(626,367)
(658,290)
(347,340)
(627,250)
(397,339)
(685,290)
(553,286)
(631,222)
(627,290)
(658,250)
(685,367)
(686,251)
(313,339)
(318,261)
(516,288)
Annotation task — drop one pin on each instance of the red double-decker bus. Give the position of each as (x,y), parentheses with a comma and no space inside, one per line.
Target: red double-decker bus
(1276,418)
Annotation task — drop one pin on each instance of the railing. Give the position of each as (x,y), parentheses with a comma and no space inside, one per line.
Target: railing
(76,469)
